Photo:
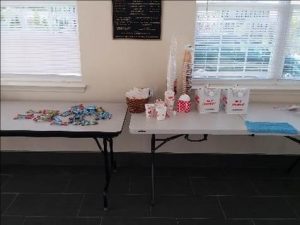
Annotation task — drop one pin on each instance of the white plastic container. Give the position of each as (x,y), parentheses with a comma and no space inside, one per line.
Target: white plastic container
(161,112)
(235,100)
(208,99)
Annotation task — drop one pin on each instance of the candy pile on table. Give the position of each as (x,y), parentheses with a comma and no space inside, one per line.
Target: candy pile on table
(76,115)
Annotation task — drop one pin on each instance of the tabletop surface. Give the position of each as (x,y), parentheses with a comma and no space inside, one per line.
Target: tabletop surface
(213,123)
(9,109)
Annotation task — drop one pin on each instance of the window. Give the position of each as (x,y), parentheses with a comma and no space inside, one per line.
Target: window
(247,40)
(39,38)
(291,67)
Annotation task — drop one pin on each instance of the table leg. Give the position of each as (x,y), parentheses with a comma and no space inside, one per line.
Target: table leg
(152,169)
(292,167)
(113,162)
(107,171)
(107,174)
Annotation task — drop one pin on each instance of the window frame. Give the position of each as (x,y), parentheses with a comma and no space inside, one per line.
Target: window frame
(275,81)
(45,82)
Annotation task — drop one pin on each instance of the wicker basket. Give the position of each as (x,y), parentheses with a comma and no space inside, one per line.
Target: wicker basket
(136,105)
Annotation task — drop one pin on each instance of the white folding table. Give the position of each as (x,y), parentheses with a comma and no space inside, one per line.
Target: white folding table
(184,124)
(105,129)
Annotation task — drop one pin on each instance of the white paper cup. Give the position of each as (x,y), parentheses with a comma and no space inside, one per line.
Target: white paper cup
(161,112)
(150,110)
(169,95)
(159,103)
(169,100)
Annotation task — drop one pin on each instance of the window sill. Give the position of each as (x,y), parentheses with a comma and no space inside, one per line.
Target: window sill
(76,86)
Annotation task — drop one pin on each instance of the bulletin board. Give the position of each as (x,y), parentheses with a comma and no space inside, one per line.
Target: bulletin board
(136,19)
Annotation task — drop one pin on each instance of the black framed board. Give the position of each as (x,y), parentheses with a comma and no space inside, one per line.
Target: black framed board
(136,19)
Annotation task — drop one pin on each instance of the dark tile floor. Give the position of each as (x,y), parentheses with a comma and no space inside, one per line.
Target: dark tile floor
(40,195)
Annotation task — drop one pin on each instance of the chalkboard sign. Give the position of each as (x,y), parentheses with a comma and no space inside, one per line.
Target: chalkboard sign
(137,19)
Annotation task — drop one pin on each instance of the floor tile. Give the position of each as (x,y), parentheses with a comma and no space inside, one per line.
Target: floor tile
(77,170)
(45,205)
(12,220)
(4,178)
(129,196)
(277,222)
(170,171)
(133,171)
(36,183)
(6,200)
(35,170)
(146,171)
(295,204)
(61,221)
(163,185)
(256,207)
(93,183)
(213,222)
(257,173)
(137,221)
(137,206)
(203,186)
(186,207)
(278,186)
(203,172)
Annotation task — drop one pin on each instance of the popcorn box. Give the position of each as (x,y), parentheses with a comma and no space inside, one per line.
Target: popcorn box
(169,101)
(208,99)
(161,112)
(150,110)
(184,103)
(235,100)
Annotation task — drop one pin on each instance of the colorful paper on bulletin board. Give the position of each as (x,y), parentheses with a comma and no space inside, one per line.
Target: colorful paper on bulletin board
(270,127)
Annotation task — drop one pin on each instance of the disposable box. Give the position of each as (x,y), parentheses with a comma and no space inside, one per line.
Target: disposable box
(208,99)
(235,100)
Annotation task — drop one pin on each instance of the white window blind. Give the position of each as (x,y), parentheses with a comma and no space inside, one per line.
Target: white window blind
(291,69)
(247,39)
(235,41)
(39,38)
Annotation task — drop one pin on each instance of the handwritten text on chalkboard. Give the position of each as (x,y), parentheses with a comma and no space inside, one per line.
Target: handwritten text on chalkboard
(137,19)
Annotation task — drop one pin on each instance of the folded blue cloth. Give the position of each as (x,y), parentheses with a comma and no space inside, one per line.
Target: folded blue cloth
(267,127)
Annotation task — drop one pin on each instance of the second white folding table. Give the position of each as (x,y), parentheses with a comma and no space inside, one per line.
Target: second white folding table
(185,124)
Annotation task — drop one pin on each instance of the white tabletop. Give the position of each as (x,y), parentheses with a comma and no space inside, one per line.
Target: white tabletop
(9,109)
(212,123)
(188,123)
(260,112)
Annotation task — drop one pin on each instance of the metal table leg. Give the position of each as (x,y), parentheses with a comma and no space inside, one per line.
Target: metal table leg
(154,147)
(107,174)
(113,162)
(152,169)
(292,167)
(107,171)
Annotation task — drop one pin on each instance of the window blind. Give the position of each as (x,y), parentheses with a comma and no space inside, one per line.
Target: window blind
(291,69)
(39,38)
(234,41)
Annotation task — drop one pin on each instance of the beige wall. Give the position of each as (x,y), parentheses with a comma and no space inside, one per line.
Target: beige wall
(110,67)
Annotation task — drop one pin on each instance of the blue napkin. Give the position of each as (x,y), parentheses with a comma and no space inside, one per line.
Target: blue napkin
(268,127)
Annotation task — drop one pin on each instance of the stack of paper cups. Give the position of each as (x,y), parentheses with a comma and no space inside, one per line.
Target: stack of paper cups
(169,101)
